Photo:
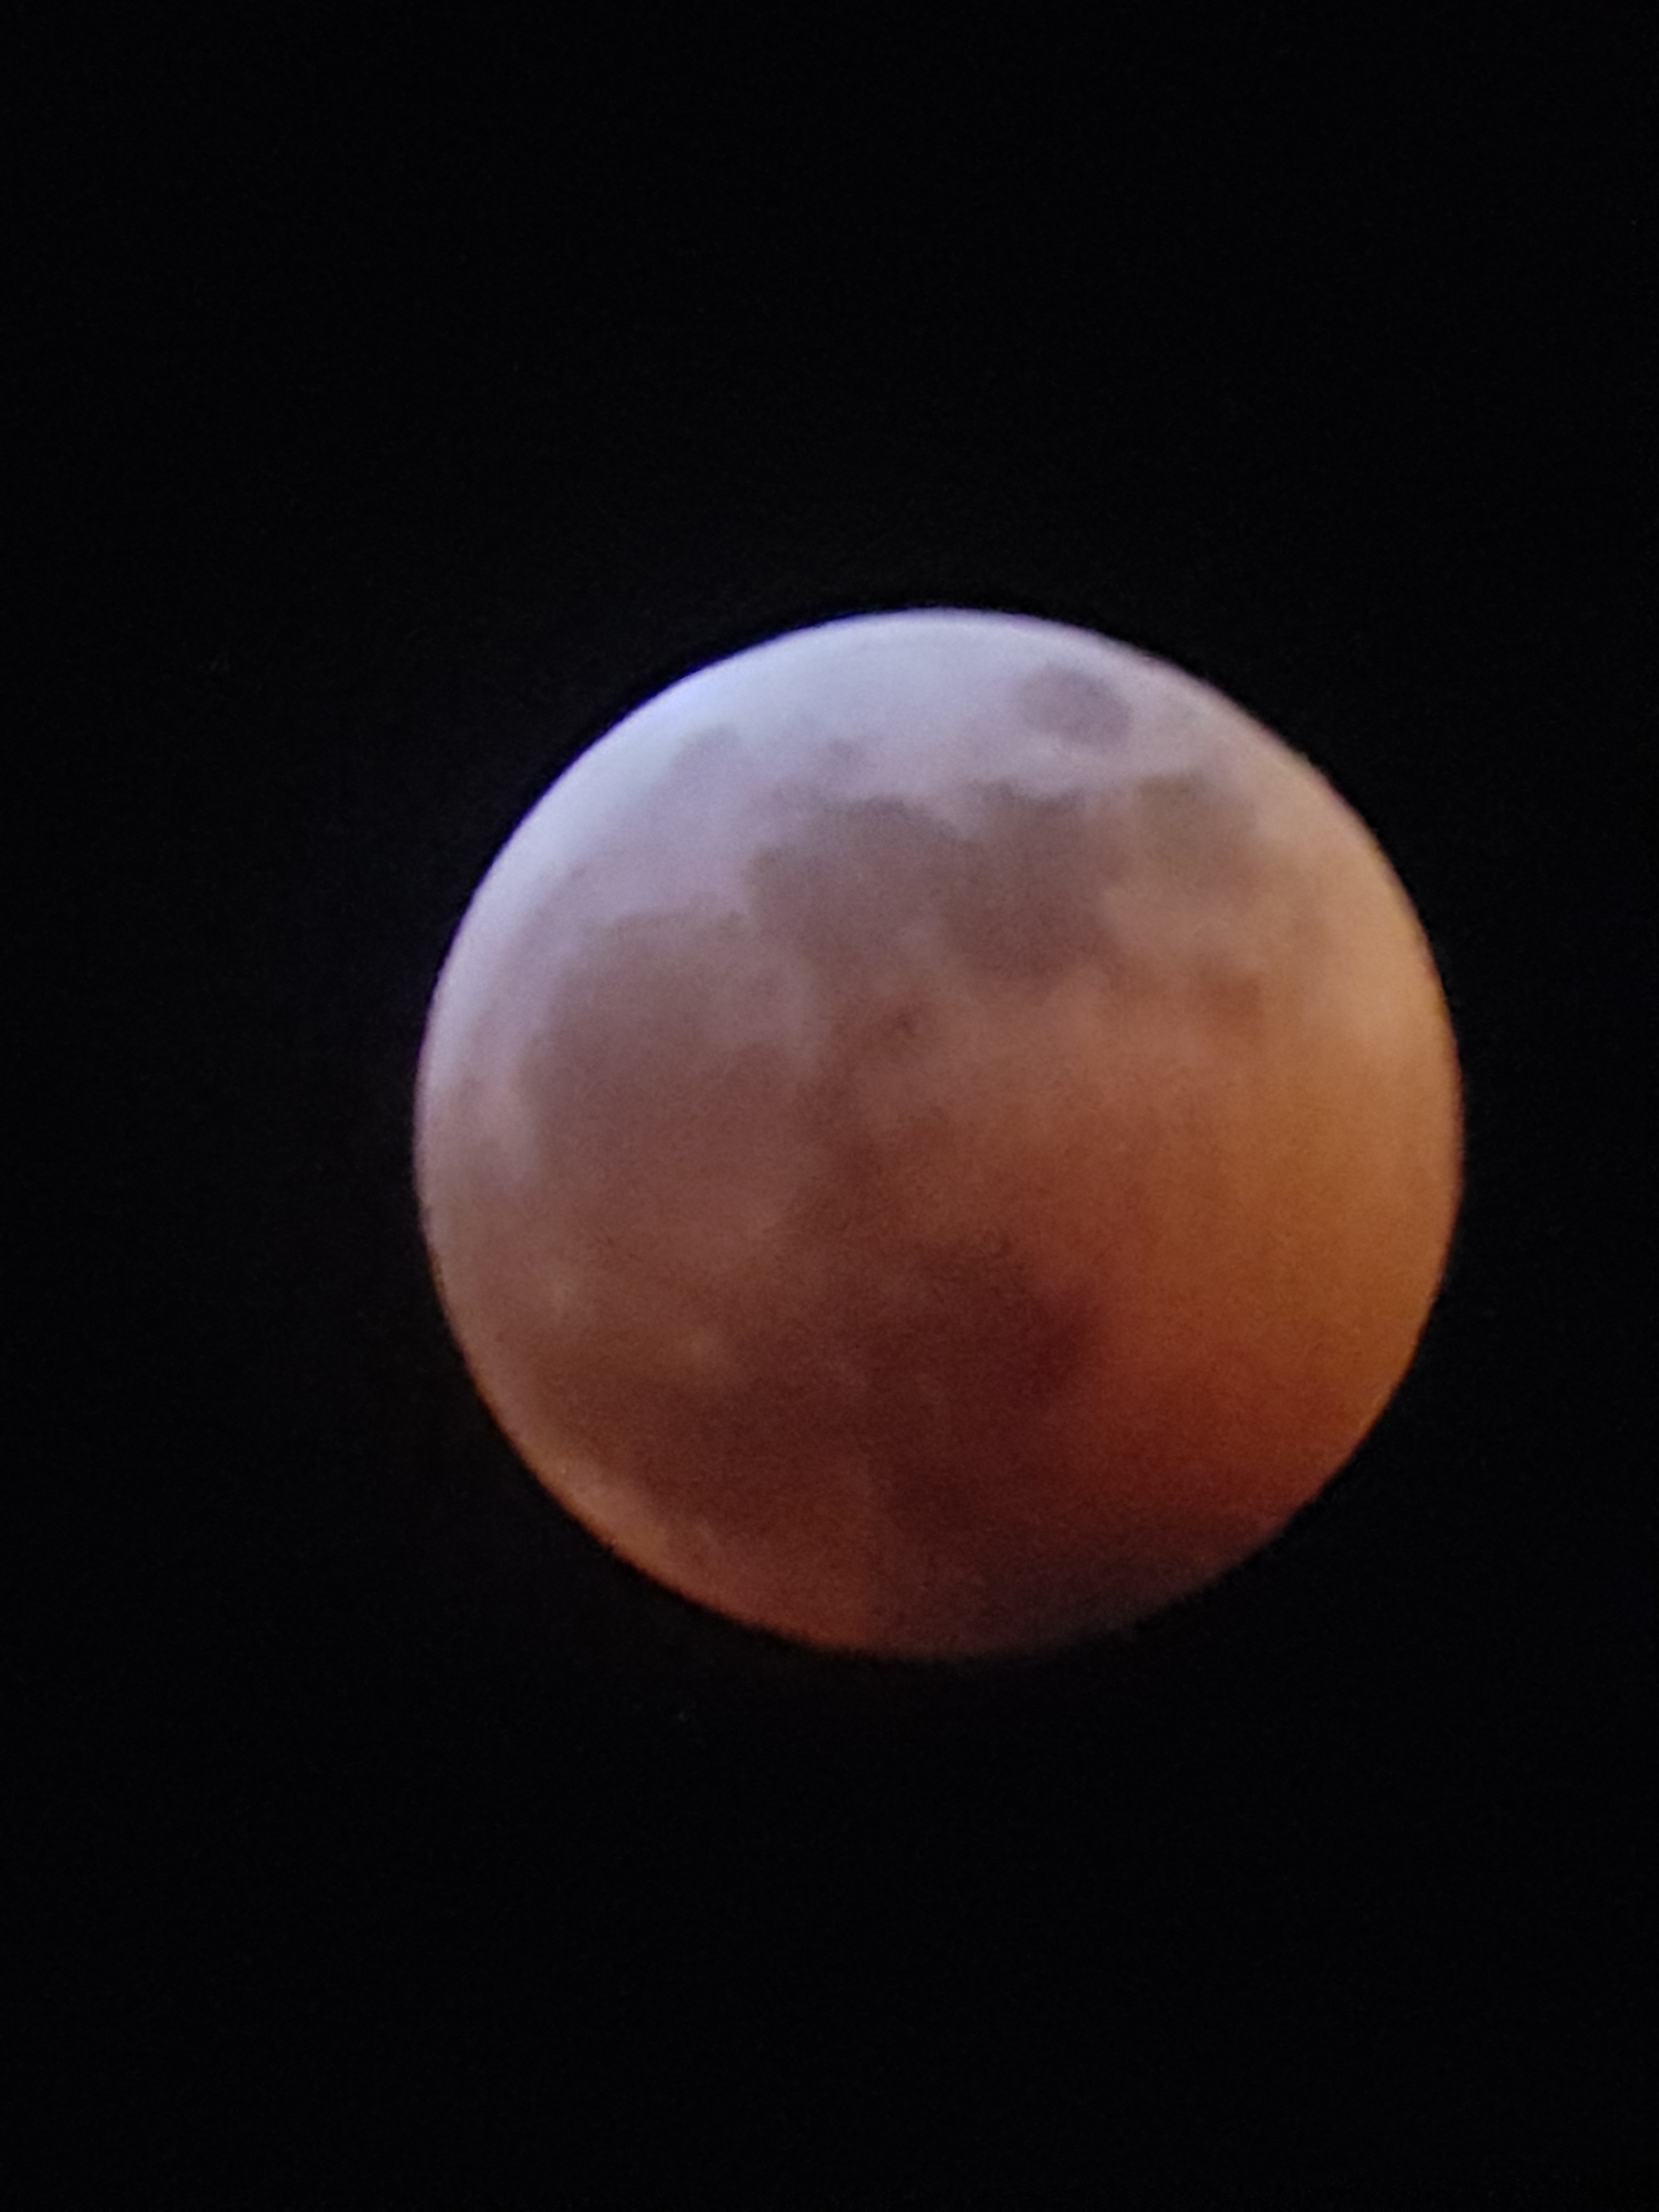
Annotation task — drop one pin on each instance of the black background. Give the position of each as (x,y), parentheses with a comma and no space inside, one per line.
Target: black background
(398,409)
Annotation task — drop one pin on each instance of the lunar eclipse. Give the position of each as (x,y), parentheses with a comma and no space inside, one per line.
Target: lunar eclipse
(938,1135)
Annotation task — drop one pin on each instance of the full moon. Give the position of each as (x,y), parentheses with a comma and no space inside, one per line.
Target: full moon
(938,1135)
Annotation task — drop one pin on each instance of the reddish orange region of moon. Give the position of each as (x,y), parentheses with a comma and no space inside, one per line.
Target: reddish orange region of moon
(938,1135)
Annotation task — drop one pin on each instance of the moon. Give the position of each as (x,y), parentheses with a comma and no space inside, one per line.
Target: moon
(938,1135)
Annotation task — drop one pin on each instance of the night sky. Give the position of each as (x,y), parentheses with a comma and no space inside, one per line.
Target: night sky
(397,414)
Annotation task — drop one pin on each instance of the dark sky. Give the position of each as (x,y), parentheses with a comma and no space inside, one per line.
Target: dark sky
(399,412)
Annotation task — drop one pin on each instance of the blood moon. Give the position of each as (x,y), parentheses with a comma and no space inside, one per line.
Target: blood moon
(938,1134)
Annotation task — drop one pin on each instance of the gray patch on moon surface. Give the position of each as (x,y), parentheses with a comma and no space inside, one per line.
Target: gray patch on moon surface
(1195,830)
(1064,702)
(1019,901)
